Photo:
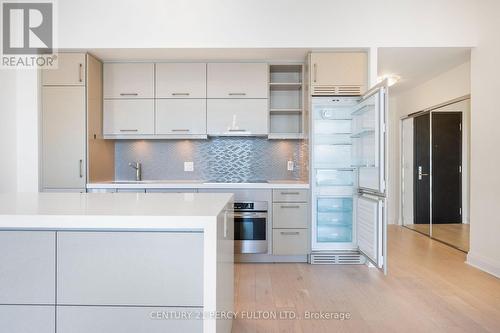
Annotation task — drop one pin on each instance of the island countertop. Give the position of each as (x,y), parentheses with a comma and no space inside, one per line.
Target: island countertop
(122,210)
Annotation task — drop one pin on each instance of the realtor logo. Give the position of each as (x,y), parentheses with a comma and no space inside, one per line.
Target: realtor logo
(28,29)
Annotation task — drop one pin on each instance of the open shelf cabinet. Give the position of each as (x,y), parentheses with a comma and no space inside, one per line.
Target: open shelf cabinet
(286,102)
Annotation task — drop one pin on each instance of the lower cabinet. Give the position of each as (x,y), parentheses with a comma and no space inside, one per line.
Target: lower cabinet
(290,242)
(103,319)
(290,222)
(27,319)
(130,268)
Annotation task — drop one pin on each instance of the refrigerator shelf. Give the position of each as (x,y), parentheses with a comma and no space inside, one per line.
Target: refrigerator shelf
(362,133)
(363,109)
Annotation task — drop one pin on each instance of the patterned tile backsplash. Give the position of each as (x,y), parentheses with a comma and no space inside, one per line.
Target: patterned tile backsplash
(216,159)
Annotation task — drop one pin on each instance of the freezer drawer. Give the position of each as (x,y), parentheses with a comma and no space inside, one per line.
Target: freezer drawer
(334,233)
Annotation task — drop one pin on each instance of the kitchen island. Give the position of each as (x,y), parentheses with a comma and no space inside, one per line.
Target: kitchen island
(116,262)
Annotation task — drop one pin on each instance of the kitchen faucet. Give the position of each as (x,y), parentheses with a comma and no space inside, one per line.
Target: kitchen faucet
(138,170)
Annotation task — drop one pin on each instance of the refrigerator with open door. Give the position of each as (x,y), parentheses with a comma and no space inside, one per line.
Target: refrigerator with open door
(348,174)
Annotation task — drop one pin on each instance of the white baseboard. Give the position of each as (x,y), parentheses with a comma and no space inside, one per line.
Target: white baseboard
(485,264)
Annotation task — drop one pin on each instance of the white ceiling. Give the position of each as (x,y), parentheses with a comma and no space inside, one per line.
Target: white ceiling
(417,65)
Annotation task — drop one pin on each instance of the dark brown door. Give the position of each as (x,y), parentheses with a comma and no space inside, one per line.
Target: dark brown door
(446,167)
(421,169)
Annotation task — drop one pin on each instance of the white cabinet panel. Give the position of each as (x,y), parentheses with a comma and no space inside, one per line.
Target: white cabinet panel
(27,319)
(181,80)
(237,117)
(154,268)
(290,241)
(237,80)
(128,80)
(27,267)
(181,116)
(86,319)
(63,137)
(70,71)
(128,117)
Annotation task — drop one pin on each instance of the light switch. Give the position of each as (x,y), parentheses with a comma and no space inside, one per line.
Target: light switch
(188,166)
(289,166)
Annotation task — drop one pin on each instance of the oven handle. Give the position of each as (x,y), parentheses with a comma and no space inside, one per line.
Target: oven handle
(248,214)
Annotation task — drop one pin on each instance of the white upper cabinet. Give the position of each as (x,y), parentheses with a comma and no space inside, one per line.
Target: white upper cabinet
(341,73)
(181,80)
(237,117)
(181,116)
(237,80)
(128,80)
(70,71)
(125,117)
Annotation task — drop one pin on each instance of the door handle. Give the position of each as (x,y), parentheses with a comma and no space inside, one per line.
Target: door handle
(315,72)
(81,168)
(80,74)
(420,173)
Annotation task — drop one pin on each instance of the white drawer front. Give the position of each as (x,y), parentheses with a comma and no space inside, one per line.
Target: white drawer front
(290,215)
(181,116)
(290,241)
(290,195)
(128,117)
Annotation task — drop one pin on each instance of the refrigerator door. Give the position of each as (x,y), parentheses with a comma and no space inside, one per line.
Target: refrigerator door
(371,229)
(369,139)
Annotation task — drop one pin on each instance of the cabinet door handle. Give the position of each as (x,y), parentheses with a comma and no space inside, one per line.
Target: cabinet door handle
(289,233)
(296,206)
(315,72)
(237,130)
(81,168)
(290,193)
(80,74)
(180,94)
(180,130)
(237,94)
(129,94)
(129,130)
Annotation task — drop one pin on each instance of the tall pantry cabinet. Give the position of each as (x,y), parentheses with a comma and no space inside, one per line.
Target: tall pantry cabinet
(71,106)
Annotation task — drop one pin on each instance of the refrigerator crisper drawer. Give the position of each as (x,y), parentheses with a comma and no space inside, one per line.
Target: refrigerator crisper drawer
(334,177)
(334,234)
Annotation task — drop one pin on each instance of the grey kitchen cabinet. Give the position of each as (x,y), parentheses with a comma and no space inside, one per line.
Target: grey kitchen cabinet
(63,137)
(171,190)
(290,241)
(237,80)
(181,116)
(103,319)
(181,80)
(27,267)
(154,268)
(71,68)
(27,319)
(290,222)
(130,117)
(290,195)
(128,80)
(235,117)
(290,215)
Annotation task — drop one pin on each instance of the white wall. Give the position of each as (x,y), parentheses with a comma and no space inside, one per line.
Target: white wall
(447,86)
(485,143)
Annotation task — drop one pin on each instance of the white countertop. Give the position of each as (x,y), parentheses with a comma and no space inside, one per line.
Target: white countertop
(110,210)
(173,184)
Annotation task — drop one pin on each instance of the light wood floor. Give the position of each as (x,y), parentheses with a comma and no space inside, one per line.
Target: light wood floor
(429,289)
(455,234)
